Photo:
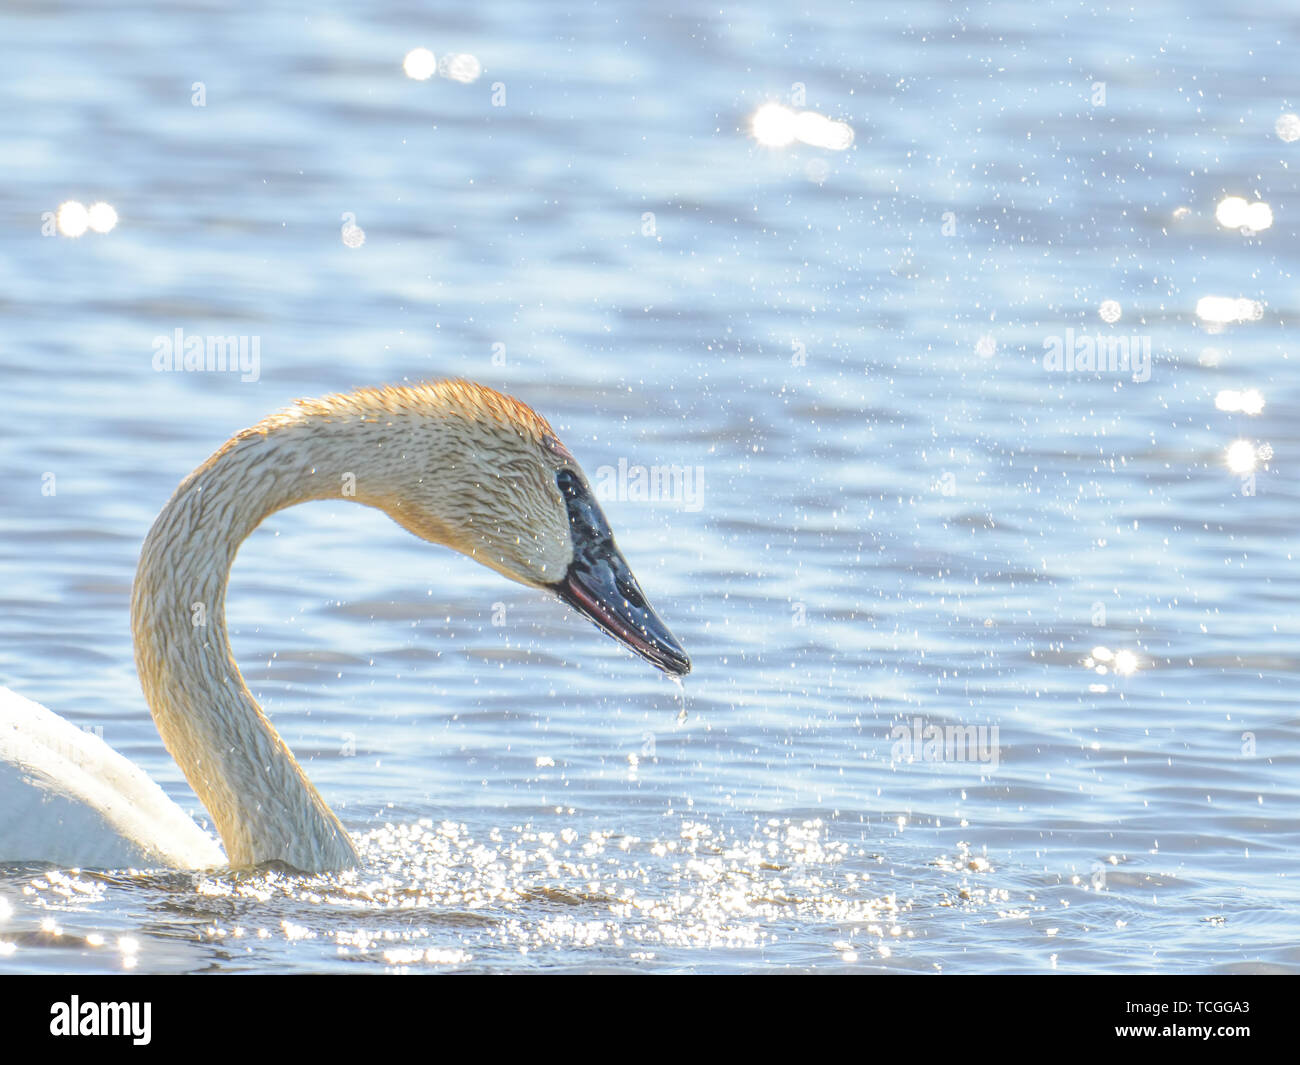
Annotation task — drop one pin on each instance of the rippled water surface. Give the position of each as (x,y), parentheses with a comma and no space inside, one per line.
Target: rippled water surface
(905,518)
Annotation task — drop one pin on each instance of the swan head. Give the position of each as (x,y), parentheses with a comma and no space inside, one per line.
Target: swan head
(484,474)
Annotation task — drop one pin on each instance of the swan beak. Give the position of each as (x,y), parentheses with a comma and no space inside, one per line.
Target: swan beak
(600,586)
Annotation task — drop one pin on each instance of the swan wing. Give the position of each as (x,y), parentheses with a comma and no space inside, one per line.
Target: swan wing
(67,797)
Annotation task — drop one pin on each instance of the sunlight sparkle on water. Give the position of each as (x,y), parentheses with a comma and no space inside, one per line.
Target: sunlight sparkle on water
(352,235)
(692,886)
(1241,456)
(1248,401)
(1103,660)
(776,126)
(420,64)
(773,125)
(102,217)
(460,67)
(72,218)
(1223,309)
(1233,212)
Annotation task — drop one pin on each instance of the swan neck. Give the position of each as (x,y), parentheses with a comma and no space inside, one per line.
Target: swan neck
(264,807)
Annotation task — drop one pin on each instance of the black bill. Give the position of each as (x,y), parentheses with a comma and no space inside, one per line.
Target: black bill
(600,584)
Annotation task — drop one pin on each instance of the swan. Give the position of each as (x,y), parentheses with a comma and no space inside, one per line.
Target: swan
(454,462)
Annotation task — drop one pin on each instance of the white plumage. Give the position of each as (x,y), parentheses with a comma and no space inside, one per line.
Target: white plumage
(69,798)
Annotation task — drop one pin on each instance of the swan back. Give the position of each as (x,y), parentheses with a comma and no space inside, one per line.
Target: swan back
(70,798)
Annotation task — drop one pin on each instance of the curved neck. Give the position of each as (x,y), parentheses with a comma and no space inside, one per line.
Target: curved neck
(261,801)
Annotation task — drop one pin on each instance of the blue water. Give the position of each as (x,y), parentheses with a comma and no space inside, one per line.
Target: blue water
(905,519)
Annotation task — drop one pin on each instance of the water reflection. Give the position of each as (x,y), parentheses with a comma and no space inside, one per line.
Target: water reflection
(461,67)
(1103,660)
(1234,212)
(777,126)
(1247,401)
(1241,456)
(74,218)
(435,894)
(1223,309)
(420,64)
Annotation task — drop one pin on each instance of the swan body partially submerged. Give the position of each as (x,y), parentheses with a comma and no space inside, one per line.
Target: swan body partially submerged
(453,462)
(69,798)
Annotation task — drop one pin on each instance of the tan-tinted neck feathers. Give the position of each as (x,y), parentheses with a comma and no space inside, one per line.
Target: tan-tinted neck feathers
(454,462)
(449,398)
